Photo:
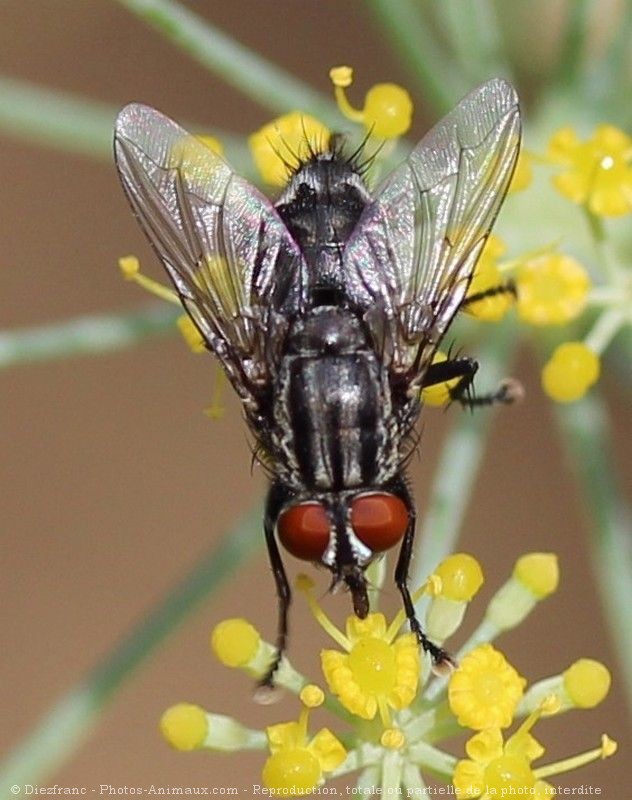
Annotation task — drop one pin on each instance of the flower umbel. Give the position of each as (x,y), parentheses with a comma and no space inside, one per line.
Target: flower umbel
(394,720)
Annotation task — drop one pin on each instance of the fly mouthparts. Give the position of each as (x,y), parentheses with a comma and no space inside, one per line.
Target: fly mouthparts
(355,581)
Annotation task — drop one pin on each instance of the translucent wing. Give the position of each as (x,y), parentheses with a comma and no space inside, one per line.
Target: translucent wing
(411,257)
(229,256)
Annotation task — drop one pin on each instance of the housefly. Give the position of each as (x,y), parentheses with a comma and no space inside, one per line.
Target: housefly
(325,310)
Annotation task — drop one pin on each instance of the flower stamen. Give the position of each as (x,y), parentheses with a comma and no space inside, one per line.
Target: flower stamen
(607,748)
(305,585)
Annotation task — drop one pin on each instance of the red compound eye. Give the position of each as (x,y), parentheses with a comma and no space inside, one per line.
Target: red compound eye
(379,520)
(304,530)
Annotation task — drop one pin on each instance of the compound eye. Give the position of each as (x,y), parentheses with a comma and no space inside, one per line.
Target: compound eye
(379,520)
(304,530)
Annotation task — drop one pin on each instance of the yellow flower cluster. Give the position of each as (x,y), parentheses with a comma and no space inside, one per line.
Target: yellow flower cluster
(379,686)
(596,173)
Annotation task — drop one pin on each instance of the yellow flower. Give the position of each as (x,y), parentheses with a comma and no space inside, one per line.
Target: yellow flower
(570,372)
(552,289)
(461,577)
(586,682)
(497,769)
(538,572)
(184,726)
(280,146)
(598,171)
(500,769)
(535,576)
(297,762)
(235,642)
(387,111)
(485,689)
(378,671)
(452,585)
(487,278)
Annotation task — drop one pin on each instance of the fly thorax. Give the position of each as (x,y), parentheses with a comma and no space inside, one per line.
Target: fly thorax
(320,207)
(326,330)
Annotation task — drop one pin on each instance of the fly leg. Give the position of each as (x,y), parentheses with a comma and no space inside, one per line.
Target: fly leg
(509,287)
(442,661)
(276,499)
(464,369)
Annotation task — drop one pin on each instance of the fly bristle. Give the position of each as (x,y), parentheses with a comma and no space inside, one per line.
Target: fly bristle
(260,456)
(335,149)
(356,161)
(410,448)
(290,166)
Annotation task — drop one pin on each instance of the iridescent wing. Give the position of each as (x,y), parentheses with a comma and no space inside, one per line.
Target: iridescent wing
(411,257)
(228,254)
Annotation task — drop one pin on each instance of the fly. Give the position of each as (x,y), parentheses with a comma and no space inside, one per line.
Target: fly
(326,310)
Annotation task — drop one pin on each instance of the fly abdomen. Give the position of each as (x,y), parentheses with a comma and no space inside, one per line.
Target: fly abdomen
(334,409)
(334,405)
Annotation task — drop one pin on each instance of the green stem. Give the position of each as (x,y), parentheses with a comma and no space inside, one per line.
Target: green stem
(475,38)
(74,124)
(391,777)
(89,335)
(611,269)
(416,44)
(619,76)
(458,466)
(71,719)
(573,44)
(257,78)
(584,426)
(56,119)
(608,324)
(432,758)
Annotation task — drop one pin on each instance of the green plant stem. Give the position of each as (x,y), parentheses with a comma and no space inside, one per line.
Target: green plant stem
(619,71)
(89,335)
(257,78)
(475,38)
(71,719)
(584,426)
(56,119)
(416,44)
(459,462)
(74,124)
(572,51)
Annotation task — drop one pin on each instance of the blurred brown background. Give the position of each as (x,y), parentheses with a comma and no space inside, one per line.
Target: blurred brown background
(113,481)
